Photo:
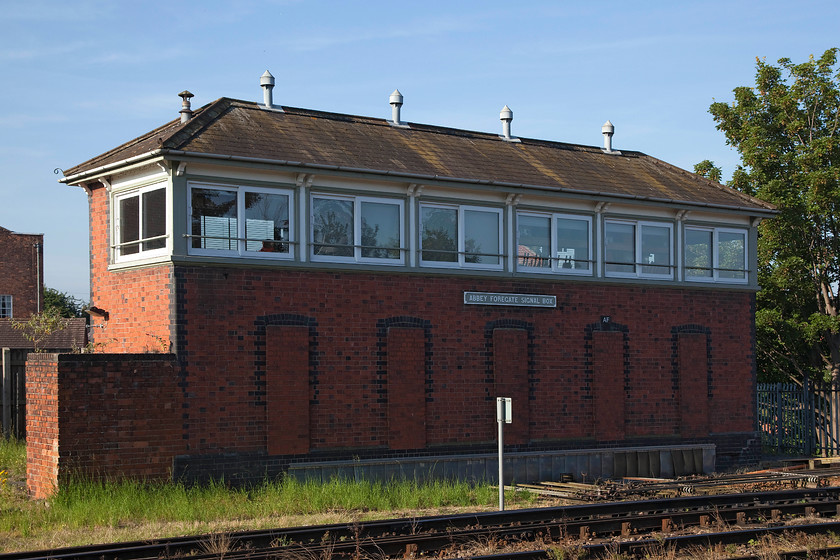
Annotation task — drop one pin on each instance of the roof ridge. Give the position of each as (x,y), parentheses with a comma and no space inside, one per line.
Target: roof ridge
(202,118)
(430,128)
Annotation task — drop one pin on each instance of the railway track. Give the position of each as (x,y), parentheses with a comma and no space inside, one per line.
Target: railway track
(632,522)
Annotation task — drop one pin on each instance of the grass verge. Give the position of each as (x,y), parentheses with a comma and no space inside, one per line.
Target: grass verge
(85,512)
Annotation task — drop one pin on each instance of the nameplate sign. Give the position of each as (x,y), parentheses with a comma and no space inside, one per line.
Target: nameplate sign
(517,300)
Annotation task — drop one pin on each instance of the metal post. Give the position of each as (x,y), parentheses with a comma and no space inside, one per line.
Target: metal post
(501,422)
(504,415)
(779,413)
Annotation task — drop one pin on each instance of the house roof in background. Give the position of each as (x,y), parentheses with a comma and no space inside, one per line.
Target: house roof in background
(73,336)
(247,131)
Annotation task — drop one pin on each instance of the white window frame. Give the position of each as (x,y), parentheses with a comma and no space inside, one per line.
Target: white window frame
(117,199)
(241,222)
(357,255)
(556,264)
(639,225)
(6,306)
(461,261)
(715,254)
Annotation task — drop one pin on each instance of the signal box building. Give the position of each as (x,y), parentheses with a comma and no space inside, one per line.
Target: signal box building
(340,292)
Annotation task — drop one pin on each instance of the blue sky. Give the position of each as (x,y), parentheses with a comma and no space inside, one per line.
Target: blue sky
(81,77)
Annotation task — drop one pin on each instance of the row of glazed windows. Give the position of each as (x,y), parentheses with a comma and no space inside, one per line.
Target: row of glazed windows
(228,221)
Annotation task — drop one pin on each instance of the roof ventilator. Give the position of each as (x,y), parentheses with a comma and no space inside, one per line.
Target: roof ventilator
(267,83)
(186,112)
(396,101)
(607,130)
(506,116)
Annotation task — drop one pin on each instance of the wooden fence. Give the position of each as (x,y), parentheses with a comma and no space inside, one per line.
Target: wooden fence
(13,393)
(799,419)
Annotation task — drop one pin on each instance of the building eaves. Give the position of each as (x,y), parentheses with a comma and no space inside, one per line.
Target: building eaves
(291,137)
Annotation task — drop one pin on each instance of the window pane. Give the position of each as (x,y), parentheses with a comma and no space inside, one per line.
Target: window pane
(214,219)
(129,225)
(5,306)
(732,255)
(620,247)
(698,253)
(266,222)
(534,245)
(481,237)
(439,236)
(572,244)
(332,227)
(656,249)
(154,218)
(380,230)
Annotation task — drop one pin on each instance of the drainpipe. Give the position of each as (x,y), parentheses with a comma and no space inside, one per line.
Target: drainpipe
(37,247)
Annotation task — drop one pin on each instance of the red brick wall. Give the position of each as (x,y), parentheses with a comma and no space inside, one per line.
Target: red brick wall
(101,415)
(287,389)
(22,271)
(222,308)
(608,394)
(406,393)
(137,300)
(694,384)
(285,362)
(510,369)
(42,424)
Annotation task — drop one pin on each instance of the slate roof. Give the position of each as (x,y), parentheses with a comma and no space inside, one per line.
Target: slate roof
(247,131)
(71,337)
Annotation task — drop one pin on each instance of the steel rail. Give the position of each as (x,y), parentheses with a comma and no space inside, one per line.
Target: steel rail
(646,548)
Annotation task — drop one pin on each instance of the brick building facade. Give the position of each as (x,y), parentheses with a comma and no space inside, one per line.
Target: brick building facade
(21,273)
(334,288)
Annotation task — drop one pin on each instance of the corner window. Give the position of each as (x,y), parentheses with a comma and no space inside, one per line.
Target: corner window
(715,254)
(240,221)
(140,225)
(5,306)
(357,229)
(638,249)
(461,236)
(554,243)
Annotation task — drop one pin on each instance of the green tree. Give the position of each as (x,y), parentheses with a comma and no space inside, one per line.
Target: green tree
(708,170)
(65,304)
(786,132)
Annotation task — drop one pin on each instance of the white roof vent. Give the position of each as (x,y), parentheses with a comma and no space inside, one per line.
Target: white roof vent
(607,130)
(506,116)
(267,83)
(186,111)
(396,101)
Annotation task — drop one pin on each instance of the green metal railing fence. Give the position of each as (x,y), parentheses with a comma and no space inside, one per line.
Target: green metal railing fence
(799,419)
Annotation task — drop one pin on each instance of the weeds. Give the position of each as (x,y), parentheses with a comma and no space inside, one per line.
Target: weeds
(84,511)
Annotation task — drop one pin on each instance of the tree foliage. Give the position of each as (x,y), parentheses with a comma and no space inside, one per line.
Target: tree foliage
(709,170)
(786,132)
(65,304)
(40,326)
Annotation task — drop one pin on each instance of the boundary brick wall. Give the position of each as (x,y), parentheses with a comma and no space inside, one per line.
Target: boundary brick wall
(21,267)
(101,416)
